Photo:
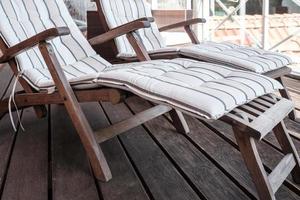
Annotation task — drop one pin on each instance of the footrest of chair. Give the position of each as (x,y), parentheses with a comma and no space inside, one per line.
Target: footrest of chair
(260,116)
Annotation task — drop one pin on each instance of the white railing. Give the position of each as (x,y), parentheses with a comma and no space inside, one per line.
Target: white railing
(206,9)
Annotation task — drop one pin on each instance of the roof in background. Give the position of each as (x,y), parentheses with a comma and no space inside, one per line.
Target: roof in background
(281,26)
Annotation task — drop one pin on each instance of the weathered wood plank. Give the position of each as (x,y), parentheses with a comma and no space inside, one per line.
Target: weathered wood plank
(125,183)
(72,177)
(282,170)
(270,157)
(27,176)
(7,136)
(5,80)
(158,173)
(204,175)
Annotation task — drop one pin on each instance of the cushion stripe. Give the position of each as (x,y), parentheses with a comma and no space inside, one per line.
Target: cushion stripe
(119,12)
(248,58)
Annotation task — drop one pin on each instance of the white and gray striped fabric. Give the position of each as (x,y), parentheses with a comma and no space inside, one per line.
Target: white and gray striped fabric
(203,89)
(21,19)
(248,58)
(119,12)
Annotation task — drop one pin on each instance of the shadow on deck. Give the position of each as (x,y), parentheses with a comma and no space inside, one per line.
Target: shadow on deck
(149,162)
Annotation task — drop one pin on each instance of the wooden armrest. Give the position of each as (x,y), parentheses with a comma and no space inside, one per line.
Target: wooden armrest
(122,30)
(182,24)
(23,46)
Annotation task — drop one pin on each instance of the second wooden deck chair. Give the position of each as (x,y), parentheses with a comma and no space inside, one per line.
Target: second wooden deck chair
(58,66)
(115,13)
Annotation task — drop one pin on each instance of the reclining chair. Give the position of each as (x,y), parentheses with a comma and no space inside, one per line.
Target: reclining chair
(57,65)
(148,43)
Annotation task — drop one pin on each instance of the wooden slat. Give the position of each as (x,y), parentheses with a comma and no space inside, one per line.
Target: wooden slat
(251,110)
(159,174)
(263,102)
(72,177)
(282,170)
(204,175)
(27,176)
(127,124)
(258,106)
(7,136)
(266,121)
(125,183)
(5,79)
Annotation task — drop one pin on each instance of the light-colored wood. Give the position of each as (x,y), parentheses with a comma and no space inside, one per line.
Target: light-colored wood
(179,122)
(123,126)
(254,164)
(282,170)
(270,118)
(251,110)
(259,106)
(263,102)
(288,146)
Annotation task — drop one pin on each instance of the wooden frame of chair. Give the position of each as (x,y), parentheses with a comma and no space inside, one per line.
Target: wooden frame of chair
(246,120)
(142,54)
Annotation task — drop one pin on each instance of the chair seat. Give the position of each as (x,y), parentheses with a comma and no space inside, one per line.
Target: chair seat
(204,89)
(249,58)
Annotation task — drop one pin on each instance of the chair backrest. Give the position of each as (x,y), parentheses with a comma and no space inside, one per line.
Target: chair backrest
(21,19)
(119,12)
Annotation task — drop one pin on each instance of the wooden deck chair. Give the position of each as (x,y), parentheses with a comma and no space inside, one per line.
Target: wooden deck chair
(115,13)
(58,66)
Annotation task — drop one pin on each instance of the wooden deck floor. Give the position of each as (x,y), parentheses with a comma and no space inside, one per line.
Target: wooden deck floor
(149,162)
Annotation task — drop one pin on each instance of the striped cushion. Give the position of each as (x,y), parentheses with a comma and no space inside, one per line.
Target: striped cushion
(82,72)
(249,58)
(156,51)
(21,19)
(119,12)
(200,88)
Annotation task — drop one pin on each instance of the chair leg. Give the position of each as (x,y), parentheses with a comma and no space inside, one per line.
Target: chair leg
(285,94)
(40,111)
(287,147)
(179,122)
(94,152)
(254,164)
(85,132)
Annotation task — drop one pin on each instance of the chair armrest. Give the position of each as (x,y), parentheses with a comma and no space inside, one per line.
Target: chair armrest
(122,30)
(182,24)
(29,43)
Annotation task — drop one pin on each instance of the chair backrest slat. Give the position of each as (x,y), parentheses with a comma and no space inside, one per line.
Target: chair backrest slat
(119,12)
